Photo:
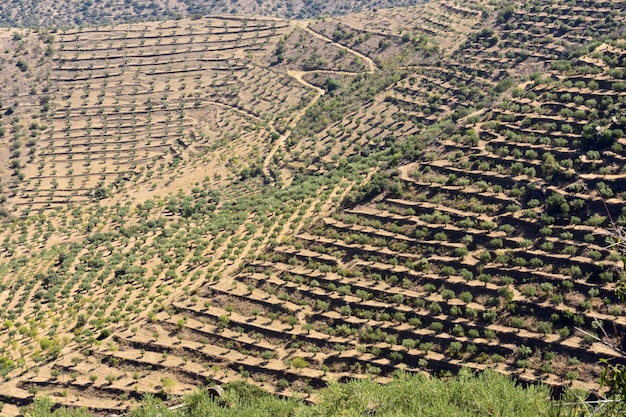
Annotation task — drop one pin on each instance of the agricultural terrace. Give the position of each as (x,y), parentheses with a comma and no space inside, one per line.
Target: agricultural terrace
(429,189)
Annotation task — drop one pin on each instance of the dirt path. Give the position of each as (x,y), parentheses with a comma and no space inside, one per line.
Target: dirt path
(319,92)
(297,75)
(372,66)
(405,171)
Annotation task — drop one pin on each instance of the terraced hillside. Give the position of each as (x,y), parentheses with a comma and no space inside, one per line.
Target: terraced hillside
(290,203)
(126,102)
(489,249)
(74,13)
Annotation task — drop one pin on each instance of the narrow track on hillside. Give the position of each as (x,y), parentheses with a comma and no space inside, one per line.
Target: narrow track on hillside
(296,75)
(319,92)
(370,63)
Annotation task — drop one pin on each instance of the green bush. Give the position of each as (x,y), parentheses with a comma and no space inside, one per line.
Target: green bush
(299,362)
(466,395)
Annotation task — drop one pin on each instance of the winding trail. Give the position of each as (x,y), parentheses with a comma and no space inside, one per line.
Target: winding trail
(372,66)
(319,92)
(297,75)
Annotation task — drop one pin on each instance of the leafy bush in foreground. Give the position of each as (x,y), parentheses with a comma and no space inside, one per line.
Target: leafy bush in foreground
(467,395)
(488,394)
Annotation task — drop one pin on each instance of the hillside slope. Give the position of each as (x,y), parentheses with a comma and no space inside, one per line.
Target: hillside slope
(220,198)
(74,13)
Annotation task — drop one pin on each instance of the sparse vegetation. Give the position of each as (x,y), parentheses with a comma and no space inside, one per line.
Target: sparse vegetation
(215,199)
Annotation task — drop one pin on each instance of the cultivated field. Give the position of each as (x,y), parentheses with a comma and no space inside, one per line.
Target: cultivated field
(213,199)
